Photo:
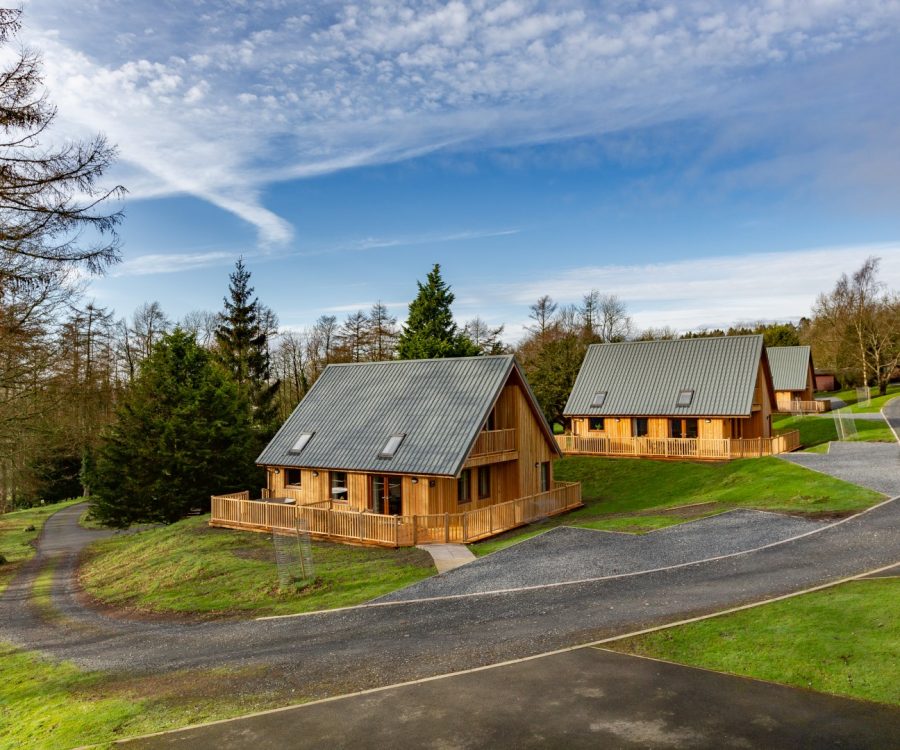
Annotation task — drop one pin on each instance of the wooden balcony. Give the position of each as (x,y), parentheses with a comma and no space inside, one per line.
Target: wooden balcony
(493,446)
(805,407)
(694,448)
(238,511)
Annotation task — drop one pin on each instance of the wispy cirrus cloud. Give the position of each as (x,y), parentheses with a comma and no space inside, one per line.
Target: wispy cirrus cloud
(161,263)
(218,100)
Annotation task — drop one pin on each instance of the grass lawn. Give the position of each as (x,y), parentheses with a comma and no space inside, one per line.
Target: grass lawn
(848,396)
(843,640)
(16,542)
(638,495)
(815,430)
(46,704)
(191,568)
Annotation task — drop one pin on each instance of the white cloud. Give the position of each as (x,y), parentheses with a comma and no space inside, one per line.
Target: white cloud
(220,103)
(155,263)
(704,292)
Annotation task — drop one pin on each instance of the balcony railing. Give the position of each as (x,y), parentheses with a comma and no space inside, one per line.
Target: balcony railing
(647,447)
(494,441)
(238,511)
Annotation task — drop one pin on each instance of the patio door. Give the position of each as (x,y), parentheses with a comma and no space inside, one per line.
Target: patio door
(387,495)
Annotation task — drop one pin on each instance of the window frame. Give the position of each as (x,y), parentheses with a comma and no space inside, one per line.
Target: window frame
(387,454)
(545,477)
(635,431)
(598,399)
(680,403)
(332,478)
(592,428)
(287,473)
(464,487)
(484,482)
(302,441)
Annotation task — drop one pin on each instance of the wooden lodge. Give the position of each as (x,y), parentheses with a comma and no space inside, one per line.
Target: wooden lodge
(794,380)
(408,452)
(703,398)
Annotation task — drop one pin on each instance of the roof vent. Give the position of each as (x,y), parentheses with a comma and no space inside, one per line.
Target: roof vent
(301,442)
(390,448)
(598,400)
(684,398)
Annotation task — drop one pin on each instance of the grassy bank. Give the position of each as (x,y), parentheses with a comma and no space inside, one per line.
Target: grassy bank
(18,532)
(816,431)
(848,396)
(844,640)
(638,495)
(56,705)
(191,568)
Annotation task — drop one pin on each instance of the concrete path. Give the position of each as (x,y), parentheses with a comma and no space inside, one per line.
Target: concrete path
(448,557)
(572,554)
(873,465)
(335,652)
(589,698)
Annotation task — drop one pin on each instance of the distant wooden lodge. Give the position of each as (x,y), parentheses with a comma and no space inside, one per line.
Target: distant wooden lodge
(706,398)
(794,379)
(408,452)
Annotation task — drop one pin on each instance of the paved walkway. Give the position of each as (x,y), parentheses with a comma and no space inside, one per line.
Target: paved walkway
(873,465)
(573,554)
(588,698)
(448,557)
(891,411)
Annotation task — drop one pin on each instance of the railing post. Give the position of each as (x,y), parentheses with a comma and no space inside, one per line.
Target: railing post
(491,518)
(465,527)
(328,521)
(446,528)
(415,521)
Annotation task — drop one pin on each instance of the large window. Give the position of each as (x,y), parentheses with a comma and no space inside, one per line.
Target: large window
(641,427)
(339,490)
(293,477)
(597,424)
(545,476)
(484,482)
(464,487)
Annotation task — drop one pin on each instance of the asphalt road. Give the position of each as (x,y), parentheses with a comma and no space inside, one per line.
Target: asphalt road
(332,653)
(587,698)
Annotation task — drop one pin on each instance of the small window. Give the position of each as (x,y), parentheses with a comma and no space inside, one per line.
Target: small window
(293,477)
(545,476)
(684,398)
(597,424)
(690,428)
(339,490)
(598,400)
(484,482)
(641,427)
(464,486)
(390,447)
(300,442)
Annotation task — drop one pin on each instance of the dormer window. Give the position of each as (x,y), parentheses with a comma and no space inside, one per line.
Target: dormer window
(685,398)
(391,446)
(300,442)
(598,400)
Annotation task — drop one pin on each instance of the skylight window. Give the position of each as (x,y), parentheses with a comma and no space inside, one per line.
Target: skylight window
(301,442)
(684,398)
(390,447)
(598,400)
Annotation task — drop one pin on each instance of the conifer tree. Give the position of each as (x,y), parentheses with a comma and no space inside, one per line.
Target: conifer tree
(430,332)
(241,346)
(182,433)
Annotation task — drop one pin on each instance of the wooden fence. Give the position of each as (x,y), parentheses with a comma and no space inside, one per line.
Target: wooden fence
(237,511)
(705,448)
(808,407)
(494,441)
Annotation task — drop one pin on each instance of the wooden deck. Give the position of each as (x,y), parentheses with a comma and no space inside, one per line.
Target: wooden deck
(238,511)
(696,448)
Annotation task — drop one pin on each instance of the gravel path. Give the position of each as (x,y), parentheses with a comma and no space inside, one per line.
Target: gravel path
(873,465)
(566,553)
(332,653)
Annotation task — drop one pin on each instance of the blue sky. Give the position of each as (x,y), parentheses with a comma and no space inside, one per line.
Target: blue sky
(708,162)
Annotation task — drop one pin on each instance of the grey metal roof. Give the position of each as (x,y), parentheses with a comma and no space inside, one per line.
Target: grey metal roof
(439,405)
(646,377)
(789,365)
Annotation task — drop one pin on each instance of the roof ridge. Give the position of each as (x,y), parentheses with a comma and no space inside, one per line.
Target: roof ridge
(424,359)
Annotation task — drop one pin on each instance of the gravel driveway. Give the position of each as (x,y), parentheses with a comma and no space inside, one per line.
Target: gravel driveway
(873,465)
(566,553)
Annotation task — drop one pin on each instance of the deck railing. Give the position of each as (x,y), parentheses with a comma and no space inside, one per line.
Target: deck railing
(808,407)
(237,511)
(707,448)
(494,441)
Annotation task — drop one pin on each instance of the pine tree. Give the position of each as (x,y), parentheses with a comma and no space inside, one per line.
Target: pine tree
(430,332)
(241,346)
(182,433)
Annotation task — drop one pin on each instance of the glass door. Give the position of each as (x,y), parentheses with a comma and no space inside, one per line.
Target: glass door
(387,495)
